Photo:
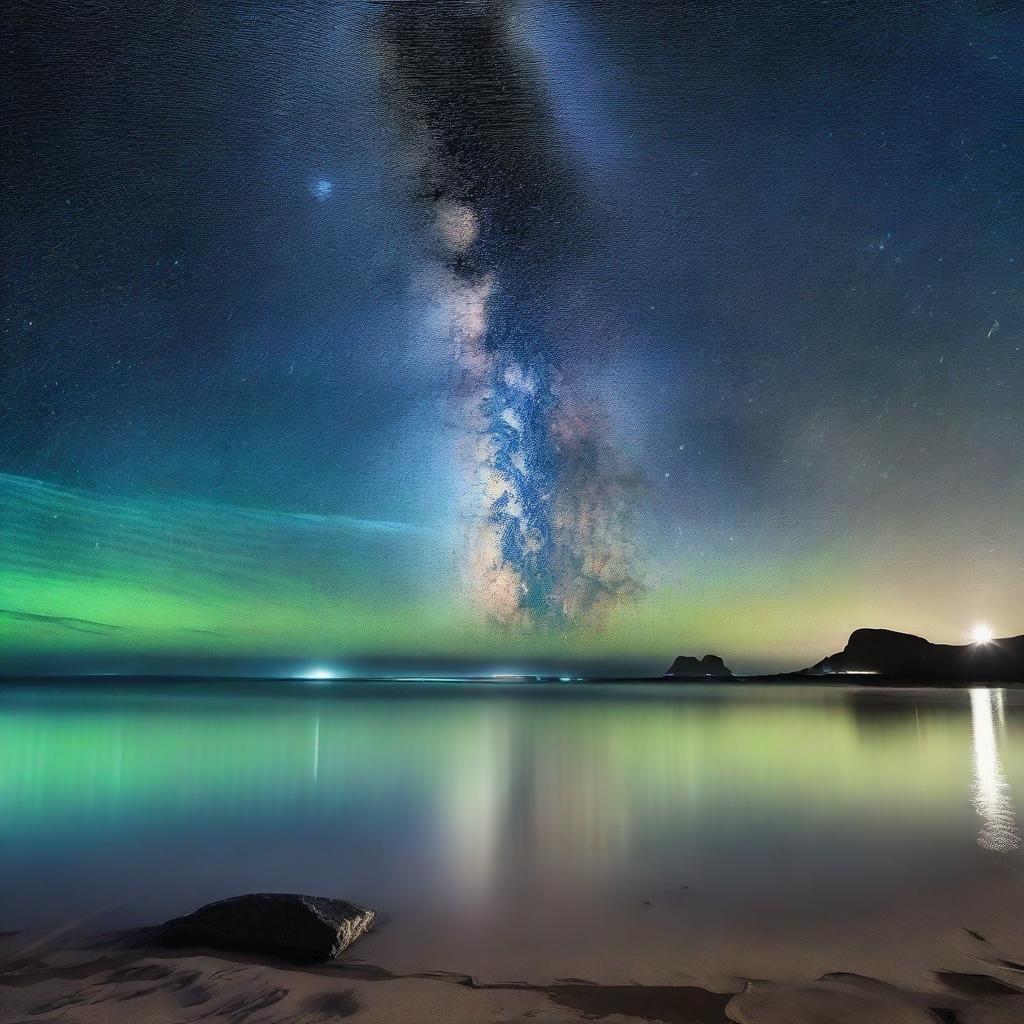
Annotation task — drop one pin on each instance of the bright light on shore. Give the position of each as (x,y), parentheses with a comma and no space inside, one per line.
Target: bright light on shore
(320,673)
(981,633)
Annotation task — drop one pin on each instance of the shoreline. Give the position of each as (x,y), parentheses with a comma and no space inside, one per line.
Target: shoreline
(953,954)
(300,685)
(91,979)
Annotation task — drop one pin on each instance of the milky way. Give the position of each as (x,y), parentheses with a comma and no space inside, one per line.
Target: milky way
(549,530)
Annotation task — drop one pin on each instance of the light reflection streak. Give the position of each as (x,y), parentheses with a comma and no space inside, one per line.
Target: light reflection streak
(991,794)
(475,809)
(316,749)
(524,806)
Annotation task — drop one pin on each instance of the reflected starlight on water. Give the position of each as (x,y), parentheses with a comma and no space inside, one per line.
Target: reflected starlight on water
(991,794)
(316,750)
(497,819)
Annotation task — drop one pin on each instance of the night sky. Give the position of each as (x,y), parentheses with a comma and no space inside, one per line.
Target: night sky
(509,333)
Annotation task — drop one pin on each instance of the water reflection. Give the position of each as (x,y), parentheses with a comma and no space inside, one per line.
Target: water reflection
(991,793)
(491,805)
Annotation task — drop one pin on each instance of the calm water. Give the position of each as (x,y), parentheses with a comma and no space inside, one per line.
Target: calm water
(474,813)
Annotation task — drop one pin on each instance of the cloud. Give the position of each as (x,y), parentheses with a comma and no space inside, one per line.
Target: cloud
(64,621)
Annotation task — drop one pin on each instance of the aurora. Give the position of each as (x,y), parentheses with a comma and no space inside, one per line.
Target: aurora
(502,334)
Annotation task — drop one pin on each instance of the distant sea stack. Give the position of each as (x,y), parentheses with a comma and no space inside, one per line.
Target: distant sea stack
(884,652)
(710,666)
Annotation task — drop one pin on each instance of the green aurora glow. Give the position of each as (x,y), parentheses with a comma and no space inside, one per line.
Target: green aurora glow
(80,575)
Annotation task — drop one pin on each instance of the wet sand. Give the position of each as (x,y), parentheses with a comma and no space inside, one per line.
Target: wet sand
(110,986)
(904,970)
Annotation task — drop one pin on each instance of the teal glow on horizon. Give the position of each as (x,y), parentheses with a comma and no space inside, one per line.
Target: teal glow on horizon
(91,576)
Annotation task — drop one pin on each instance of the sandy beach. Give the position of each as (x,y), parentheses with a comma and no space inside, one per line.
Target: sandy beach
(919,967)
(103,984)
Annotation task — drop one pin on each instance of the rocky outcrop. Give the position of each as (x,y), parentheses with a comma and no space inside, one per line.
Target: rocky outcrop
(710,666)
(893,655)
(293,927)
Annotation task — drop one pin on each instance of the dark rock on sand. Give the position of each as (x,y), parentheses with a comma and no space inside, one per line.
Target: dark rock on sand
(710,666)
(294,927)
(885,652)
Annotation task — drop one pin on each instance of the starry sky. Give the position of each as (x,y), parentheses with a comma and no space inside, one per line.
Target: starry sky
(509,333)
